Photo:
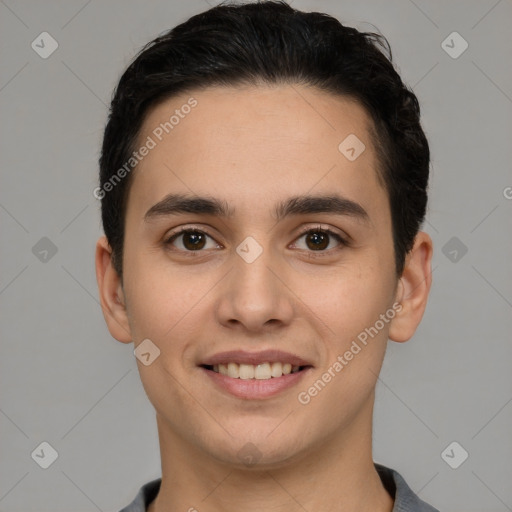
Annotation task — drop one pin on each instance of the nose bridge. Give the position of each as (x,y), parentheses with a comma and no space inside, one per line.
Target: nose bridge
(253,294)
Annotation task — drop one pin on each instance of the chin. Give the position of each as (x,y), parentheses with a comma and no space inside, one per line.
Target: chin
(256,451)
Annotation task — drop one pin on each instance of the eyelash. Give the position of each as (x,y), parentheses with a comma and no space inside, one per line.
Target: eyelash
(342,241)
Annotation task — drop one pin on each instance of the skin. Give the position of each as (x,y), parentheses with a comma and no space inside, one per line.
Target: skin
(253,147)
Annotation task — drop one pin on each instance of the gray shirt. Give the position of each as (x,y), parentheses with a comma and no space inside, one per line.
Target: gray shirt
(405,499)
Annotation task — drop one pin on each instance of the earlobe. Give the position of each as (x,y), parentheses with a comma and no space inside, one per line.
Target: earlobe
(413,289)
(111,293)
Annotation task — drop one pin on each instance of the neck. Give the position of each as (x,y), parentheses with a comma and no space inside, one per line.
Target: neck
(337,476)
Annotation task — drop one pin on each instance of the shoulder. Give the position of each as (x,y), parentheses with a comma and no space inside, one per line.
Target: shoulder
(147,493)
(405,499)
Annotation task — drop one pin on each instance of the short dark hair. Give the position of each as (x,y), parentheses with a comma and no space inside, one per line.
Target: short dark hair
(269,42)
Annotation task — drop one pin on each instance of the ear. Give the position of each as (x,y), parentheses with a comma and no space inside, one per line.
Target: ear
(413,289)
(111,293)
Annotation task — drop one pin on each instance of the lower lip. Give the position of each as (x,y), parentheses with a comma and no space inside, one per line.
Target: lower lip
(256,389)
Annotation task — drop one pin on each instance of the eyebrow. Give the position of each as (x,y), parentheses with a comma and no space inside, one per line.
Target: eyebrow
(175,204)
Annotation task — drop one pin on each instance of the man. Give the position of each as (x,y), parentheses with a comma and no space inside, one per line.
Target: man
(263,180)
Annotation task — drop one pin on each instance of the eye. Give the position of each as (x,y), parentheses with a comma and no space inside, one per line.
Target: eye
(319,239)
(188,239)
(315,239)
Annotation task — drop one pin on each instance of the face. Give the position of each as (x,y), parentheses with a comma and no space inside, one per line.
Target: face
(257,295)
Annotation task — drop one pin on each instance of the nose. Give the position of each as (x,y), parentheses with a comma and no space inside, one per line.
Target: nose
(254,296)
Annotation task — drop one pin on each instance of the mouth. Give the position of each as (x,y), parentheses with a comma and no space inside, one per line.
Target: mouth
(255,375)
(264,371)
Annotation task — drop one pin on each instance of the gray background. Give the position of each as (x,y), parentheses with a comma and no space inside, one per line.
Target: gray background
(65,381)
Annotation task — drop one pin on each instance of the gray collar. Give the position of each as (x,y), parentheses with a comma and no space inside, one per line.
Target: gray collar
(405,499)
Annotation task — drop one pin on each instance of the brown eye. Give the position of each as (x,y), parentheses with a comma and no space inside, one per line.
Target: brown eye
(189,240)
(193,240)
(319,240)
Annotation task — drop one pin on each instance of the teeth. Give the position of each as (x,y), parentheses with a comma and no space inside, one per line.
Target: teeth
(262,371)
(233,370)
(246,371)
(277,369)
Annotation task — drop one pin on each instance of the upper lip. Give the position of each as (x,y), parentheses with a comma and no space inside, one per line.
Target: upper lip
(255,358)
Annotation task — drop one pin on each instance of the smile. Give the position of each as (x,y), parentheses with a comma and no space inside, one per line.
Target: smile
(262,371)
(254,375)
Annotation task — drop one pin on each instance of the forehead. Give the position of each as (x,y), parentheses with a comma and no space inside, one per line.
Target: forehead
(256,142)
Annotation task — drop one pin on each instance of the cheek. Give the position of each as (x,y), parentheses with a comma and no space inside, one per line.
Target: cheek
(349,300)
(155,302)
(354,348)
(167,305)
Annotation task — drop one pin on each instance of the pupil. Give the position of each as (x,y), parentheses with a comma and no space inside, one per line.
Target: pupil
(193,241)
(320,240)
